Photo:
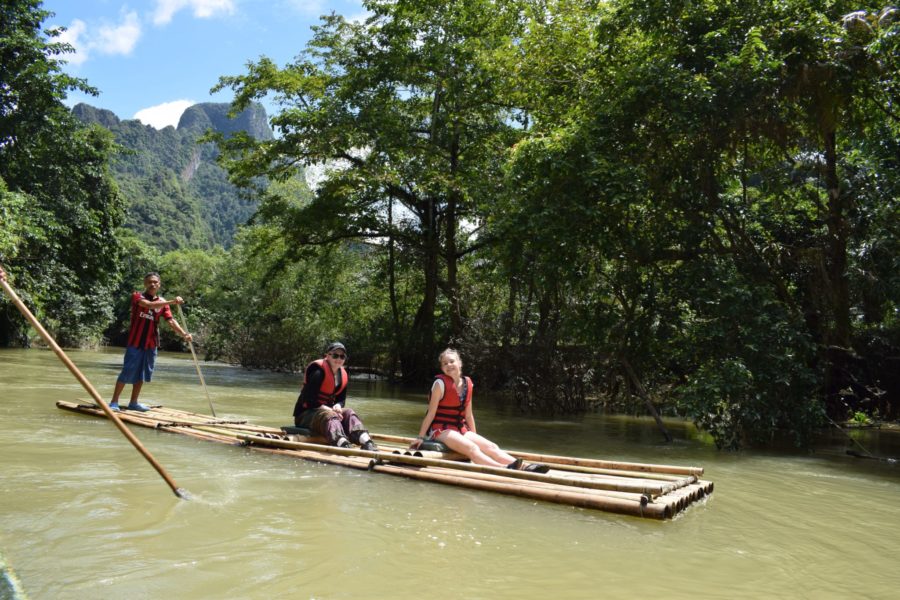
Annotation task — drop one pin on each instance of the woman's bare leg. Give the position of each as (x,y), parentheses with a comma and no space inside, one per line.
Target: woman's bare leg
(467,447)
(490,448)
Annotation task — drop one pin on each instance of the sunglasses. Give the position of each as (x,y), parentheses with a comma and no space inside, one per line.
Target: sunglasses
(337,356)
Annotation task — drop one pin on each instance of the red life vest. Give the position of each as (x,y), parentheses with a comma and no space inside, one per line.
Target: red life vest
(451,411)
(327,391)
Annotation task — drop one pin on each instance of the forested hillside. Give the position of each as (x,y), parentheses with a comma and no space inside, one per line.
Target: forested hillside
(175,194)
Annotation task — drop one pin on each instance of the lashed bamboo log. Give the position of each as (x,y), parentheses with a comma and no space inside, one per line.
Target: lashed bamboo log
(573,498)
(609,464)
(582,462)
(621,473)
(652,488)
(138,418)
(434,454)
(632,496)
(585,499)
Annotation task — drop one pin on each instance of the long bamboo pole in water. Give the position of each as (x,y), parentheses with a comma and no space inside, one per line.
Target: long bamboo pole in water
(181,493)
(196,362)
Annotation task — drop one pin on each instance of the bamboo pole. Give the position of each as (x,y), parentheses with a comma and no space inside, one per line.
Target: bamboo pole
(584,499)
(152,420)
(633,496)
(451,455)
(580,499)
(186,417)
(188,413)
(653,489)
(609,464)
(646,398)
(582,462)
(196,362)
(144,421)
(572,498)
(180,492)
(622,473)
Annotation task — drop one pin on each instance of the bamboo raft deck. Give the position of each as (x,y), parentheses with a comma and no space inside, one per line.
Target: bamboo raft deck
(638,489)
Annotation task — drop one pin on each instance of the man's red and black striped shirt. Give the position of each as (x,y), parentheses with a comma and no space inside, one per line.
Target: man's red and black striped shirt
(144,331)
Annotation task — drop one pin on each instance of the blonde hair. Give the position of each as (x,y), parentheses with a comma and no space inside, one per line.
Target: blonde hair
(447,352)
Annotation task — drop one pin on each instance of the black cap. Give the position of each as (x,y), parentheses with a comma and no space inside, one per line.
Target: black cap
(335,346)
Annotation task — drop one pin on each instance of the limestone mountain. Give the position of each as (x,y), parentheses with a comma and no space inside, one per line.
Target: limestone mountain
(177,196)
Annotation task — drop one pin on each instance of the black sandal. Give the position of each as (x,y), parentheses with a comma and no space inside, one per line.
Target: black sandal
(536,468)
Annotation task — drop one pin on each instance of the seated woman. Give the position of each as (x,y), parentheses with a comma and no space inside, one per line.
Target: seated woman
(450,419)
(321,406)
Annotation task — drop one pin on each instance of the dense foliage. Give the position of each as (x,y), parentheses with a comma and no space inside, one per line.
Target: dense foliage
(59,207)
(693,203)
(589,197)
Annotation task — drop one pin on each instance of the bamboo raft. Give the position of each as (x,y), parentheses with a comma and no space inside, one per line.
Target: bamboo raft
(638,489)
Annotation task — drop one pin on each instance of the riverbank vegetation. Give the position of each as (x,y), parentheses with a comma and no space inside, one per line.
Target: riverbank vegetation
(595,202)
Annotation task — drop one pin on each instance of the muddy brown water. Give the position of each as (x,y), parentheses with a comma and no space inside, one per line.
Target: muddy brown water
(83,515)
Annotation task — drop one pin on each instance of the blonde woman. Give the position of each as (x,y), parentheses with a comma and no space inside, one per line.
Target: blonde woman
(450,419)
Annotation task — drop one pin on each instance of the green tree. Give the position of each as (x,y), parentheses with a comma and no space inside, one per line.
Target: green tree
(402,111)
(64,252)
(712,169)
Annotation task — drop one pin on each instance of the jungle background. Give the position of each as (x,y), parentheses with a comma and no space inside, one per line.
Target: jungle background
(602,205)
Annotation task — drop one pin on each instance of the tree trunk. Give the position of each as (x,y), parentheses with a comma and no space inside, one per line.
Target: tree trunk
(450,248)
(419,354)
(509,320)
(837,248)
(837,336)
(392,292)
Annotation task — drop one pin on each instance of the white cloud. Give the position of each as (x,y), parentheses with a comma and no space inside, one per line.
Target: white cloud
(318,8)
(163,115)
(308,7)
(110,39)
(72,36)
(202,9)
(121,38)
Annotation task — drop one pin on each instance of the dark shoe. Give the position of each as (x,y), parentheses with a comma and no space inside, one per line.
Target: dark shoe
(536,468)
(137,406)
(515,465)
(343,443)
(370,446)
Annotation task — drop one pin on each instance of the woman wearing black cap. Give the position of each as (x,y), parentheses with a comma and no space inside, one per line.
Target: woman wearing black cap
(320,406)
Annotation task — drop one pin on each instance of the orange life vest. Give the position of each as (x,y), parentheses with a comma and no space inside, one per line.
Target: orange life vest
(327,391)
(451,411)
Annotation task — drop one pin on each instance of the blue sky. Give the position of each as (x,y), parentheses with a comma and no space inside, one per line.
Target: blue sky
(151,59)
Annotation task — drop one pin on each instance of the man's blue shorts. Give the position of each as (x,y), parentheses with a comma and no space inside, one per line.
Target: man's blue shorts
(138,365)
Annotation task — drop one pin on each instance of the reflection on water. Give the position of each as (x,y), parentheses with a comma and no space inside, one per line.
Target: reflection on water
(83,515)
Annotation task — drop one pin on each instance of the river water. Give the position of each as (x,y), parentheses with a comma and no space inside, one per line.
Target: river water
(83,515)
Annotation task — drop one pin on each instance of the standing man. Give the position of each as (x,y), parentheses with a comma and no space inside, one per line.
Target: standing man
(320,406)
(143,340)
